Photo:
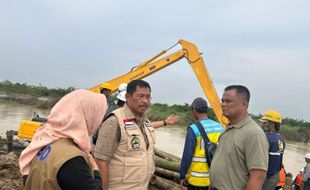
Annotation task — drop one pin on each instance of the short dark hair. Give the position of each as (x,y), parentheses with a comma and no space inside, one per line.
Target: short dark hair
(132,86)
(103,90)
(200,105)
(242,90)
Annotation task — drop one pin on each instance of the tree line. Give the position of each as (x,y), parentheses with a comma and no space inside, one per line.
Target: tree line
(23,88)
(38,96)
(292,129)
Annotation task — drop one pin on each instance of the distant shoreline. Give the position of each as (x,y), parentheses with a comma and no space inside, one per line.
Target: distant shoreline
(26,99)
(291,129)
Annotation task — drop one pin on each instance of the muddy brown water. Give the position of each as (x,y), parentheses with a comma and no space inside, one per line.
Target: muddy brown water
(170,138)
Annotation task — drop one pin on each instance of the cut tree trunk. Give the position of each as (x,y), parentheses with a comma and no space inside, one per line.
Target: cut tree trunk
(166,155)
(165,184)
(167,174)
(165,164)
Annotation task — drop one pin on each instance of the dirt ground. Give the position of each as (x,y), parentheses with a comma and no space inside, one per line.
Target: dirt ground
(10,177)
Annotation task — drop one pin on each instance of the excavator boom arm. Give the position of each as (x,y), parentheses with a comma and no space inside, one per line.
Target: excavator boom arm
(189,51)
(142,71)
(192,54)
(194,58)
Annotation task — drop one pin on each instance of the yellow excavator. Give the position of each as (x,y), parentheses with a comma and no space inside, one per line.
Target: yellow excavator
(154,64)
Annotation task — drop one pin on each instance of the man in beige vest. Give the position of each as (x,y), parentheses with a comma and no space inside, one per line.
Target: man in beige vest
(124,150)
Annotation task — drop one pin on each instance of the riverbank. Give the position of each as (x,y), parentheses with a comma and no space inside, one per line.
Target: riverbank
(26,99)
(10,177)
(45,98)
(160,111)
(39,96)
(166,176)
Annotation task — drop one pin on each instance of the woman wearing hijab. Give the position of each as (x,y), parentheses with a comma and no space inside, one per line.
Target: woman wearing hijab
(58,156)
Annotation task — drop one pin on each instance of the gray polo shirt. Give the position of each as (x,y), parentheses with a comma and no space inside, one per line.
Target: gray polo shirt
(242,147)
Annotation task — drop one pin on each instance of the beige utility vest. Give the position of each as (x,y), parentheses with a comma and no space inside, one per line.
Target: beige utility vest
(45,165)
(132,165)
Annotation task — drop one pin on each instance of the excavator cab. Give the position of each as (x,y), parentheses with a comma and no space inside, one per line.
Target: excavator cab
(27,128)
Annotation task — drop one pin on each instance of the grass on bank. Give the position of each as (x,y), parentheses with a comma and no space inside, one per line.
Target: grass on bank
(38,96)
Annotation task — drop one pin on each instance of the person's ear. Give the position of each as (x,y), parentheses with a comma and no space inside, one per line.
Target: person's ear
(194,111)
(127,95)
(245,104)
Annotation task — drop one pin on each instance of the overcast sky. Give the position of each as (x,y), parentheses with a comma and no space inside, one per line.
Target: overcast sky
(81,43)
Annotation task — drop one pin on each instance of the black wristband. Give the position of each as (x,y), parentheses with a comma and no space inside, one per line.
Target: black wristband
(164,122)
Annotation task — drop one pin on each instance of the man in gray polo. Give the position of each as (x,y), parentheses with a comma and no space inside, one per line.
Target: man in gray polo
(241,158)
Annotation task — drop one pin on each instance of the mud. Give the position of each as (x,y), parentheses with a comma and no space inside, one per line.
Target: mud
(10,177)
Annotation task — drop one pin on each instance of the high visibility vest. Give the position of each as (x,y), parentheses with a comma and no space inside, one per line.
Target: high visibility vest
(281,177)
(198,172)
(276,148)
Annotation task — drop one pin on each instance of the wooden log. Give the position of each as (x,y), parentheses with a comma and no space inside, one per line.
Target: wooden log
(166,155)
(167,174)
(165,184)
(165,164)
(21,141)
(9,138)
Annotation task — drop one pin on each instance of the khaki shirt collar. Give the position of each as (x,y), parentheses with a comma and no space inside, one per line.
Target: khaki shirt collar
(240,123)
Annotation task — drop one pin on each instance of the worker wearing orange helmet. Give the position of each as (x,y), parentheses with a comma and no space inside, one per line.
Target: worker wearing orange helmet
(272,120)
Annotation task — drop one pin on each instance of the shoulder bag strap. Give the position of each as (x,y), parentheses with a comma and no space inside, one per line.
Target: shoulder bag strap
(202,132)
(205,139)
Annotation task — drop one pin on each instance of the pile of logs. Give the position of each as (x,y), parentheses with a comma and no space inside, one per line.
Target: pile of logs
(166,175)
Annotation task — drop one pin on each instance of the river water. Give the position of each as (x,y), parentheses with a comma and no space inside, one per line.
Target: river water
(169,138)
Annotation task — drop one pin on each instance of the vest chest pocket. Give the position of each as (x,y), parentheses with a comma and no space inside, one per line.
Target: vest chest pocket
(152,132)
(135,139)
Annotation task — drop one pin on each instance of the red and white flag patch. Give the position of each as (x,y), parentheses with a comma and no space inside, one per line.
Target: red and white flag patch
(128,121)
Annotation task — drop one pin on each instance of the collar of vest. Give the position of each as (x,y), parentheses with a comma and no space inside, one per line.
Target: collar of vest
(206,118)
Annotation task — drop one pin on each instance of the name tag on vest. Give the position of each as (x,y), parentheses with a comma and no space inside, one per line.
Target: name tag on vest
(44,152)
(129,124)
